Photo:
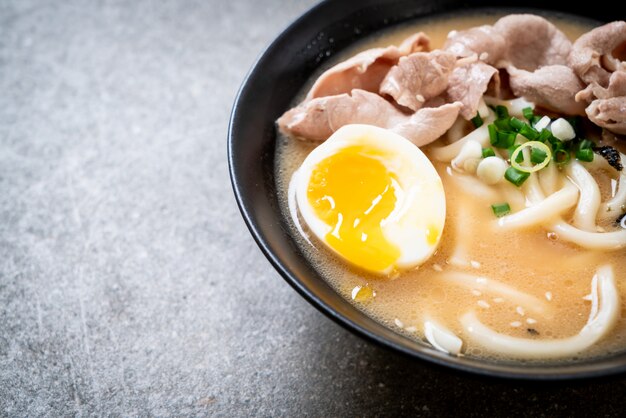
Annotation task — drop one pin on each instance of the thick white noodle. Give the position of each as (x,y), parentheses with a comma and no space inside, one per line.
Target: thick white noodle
(549,179)
(442,338)
(546,210)
(448,152)
(487,285)
(473,186)
(593,240)
(512,195)
(463,234)
(456,131)
(600,322)
(532,190)
(614,207)
(589,202)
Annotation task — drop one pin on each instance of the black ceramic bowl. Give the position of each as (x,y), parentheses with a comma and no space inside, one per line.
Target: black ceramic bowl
(267,92)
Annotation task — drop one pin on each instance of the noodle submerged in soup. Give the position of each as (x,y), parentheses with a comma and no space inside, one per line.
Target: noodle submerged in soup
(531,259)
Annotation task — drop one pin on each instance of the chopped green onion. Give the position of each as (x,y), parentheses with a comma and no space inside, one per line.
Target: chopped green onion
(541,157)
(516,124)
(501,139)
(585,154)
(515,176)
(477,120)
(503,124)
(488,152)
(556,143)
(502,112)
(493,133)
(500,209)
(511,150)
(529,132)
(585,144)
(545,136)
(528,113)
(535,119)
(561,156)
(537,156)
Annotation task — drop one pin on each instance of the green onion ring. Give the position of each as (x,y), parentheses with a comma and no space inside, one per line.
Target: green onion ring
(536,167)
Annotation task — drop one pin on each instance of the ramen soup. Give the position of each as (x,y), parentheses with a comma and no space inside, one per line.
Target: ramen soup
(461,182)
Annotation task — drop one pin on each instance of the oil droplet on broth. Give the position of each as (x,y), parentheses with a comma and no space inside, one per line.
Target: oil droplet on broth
(363,293)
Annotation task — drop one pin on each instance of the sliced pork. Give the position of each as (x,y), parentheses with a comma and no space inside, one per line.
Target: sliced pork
(484,41)
(553,87)
(318,118)
(609,113)
(429,123)
(592,56)
(365,70)
(525,41)
(468,83)
(616,88)
(418,77)
(532,42)
(599,59)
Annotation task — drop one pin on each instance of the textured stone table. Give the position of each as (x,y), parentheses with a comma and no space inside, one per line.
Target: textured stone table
(129,285)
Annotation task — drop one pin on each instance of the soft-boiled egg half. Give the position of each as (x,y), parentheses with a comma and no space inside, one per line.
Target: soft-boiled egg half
(372,197)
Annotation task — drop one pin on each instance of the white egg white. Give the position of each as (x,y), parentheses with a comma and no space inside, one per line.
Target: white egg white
(420,198)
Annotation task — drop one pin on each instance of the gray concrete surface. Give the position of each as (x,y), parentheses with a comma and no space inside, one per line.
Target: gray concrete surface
(129,285)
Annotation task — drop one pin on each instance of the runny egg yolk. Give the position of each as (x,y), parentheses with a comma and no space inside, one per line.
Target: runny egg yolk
(353,192)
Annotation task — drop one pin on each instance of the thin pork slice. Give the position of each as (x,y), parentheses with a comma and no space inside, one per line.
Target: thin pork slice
(318,118)
(429,123)
(599,52)
(484,41)
(609,113)
(553,87)
(365,70)
(468,83)
(532,42)
(418,77)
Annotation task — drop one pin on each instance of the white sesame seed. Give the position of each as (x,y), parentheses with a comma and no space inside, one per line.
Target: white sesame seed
(475,264)
(516,324)
(483,304)
(498,300)
(437,267)
(520,310)
(398,323)
(476,292)
(420,98)
(484,56)
(549,296)
(531,321)
(411,329)
(588,297)
(452,33)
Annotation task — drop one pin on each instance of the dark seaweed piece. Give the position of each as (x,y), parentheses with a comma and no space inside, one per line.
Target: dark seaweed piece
(532,331)
(611,155)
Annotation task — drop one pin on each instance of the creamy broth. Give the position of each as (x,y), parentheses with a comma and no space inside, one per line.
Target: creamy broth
(556,273)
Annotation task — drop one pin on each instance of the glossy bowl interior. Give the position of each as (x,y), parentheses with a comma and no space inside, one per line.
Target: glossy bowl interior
(267,92)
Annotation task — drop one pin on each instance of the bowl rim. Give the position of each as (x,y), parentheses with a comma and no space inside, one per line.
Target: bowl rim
(599,367)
